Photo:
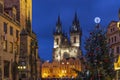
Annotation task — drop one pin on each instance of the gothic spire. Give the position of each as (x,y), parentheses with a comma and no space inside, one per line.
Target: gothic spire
(75,24)
(58,26)
(58,23)
(76,21)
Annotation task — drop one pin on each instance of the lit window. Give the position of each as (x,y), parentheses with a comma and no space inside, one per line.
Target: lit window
(5,45)
(67,62)
(11,47)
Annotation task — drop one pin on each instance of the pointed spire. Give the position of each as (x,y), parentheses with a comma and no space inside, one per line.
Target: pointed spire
(75,18)
(58,26)
(75,24)
(119,14)
(58,21)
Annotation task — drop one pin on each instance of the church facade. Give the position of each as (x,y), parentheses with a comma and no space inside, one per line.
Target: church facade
(66,53)
(63,47)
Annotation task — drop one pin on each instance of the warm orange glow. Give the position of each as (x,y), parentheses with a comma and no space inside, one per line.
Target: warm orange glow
(118,25)
(117,64)
(61,69)
(45,75)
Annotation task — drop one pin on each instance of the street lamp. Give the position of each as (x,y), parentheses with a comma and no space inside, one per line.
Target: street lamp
(22,68)
(117,67)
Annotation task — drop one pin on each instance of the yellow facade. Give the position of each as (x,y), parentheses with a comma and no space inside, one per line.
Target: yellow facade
(117,64)
(8,54)
(62,69)
(15,45)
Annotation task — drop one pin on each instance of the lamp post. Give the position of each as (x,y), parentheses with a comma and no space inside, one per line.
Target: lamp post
(22,68)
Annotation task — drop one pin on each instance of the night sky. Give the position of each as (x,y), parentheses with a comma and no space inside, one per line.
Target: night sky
(45,14)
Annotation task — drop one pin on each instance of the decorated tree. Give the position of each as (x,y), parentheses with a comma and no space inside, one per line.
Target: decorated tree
(99,62)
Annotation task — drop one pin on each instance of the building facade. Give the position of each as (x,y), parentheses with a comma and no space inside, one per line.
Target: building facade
(113,36)
(66,52)
(18,43)
(63,69)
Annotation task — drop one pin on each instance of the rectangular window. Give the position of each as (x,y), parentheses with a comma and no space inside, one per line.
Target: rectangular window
(115,38)
(5,27)
(117,49)
(112,39)
(17,33)
(11,30)
(109,40)
(6,69)
(11,47)
(5,45)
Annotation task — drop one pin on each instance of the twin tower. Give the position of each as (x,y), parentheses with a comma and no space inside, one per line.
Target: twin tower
(63,47)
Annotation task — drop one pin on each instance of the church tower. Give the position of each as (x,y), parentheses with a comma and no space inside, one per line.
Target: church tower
(58,33)
(75,32)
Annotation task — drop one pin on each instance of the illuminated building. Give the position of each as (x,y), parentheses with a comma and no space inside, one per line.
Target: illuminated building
(63,47)
(61,69)
(66,53)
(18,43)
(113,36)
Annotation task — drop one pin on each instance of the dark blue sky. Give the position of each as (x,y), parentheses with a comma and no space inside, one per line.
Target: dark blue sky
(45,13)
